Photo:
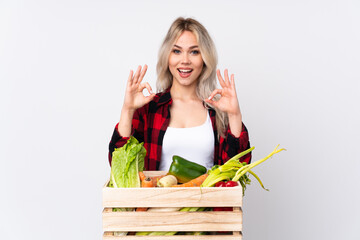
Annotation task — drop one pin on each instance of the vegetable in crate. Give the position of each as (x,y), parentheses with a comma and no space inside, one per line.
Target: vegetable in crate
(226,171)
(127,162)
(236,171)
(196,182)
(225,184)
(185,170)
(167,181)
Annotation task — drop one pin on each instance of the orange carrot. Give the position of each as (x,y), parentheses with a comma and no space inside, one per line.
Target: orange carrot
(196,182)
(147,182)
(142,176)
(141,209)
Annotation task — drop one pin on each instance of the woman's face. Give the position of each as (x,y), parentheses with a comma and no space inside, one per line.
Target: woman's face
(185,61)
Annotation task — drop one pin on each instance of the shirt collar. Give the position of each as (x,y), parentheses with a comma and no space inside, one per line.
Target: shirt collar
(165,97)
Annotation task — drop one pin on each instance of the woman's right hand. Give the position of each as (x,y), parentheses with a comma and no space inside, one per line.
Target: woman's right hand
(134,97)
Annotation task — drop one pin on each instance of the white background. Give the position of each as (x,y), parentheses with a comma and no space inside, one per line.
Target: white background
(63,67)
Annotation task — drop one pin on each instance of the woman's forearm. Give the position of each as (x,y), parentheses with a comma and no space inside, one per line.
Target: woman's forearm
(235,124)
(125,123)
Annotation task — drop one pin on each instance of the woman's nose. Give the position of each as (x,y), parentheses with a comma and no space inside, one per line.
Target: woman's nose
(185,58)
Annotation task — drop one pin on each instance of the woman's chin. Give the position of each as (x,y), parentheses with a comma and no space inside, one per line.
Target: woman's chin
(186,82)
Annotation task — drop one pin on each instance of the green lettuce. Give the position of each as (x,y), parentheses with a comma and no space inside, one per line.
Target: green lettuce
(126,164)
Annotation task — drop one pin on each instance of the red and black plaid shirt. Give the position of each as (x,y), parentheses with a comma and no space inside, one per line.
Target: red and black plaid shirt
(151,121)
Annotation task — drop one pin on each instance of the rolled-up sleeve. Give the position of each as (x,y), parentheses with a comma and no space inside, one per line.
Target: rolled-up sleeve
(230,145)
(137,130)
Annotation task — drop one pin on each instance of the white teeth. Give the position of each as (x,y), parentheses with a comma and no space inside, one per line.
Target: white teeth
(185,71)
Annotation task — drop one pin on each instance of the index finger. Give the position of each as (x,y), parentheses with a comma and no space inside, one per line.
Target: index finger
(130,77)
(142,74)
(221,80)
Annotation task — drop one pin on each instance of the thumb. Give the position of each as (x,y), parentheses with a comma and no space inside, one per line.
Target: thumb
(212,102)
(149,98)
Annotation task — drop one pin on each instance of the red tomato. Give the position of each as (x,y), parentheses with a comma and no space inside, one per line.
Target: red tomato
(231,184)
(220,184)
(225,184)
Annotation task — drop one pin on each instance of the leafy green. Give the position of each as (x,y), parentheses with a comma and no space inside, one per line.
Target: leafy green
(235,170)
(127,161)
(225,172)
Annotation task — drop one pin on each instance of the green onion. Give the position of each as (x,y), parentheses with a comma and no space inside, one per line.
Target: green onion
(247,168)
(235,170)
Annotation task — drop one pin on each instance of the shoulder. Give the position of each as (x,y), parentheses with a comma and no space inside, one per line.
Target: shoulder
(160,99)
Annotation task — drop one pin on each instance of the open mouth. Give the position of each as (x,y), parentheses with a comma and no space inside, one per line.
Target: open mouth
(184,73)
(184,70)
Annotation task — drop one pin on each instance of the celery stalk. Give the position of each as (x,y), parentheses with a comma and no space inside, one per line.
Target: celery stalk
(227,169)
(211,180)
(257,178)
(142,233)
(162,233)
(237,156)
(246,168)
(236,171)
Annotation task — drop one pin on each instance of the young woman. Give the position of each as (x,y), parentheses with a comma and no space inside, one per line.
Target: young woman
(189,116)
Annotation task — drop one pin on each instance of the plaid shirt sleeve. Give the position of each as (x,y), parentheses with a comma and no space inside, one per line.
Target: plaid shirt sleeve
(230,145)
(137,131)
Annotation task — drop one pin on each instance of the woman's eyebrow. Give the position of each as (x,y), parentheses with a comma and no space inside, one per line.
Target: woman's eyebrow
(195,46)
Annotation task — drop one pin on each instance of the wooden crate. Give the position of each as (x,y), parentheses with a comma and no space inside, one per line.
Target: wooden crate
(206,221)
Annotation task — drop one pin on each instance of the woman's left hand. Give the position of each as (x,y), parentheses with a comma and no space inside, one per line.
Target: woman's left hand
(228,101)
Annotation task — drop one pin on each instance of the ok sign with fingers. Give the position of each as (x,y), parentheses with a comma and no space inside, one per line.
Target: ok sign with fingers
(228,101)
(134,99)
(134,96)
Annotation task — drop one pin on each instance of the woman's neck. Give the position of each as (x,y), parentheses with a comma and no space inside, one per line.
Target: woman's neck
(178,91)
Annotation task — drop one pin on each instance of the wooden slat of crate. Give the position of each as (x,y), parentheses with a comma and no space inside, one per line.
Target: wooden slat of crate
(172,221)
(176,237)
(172,197)
(155,173)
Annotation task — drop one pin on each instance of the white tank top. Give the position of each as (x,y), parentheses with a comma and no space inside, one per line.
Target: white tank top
(195,144)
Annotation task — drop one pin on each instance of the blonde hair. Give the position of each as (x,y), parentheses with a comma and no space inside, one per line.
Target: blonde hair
(207,79)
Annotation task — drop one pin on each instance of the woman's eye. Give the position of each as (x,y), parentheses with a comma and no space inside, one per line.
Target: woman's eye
(176,51)
(195,52)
